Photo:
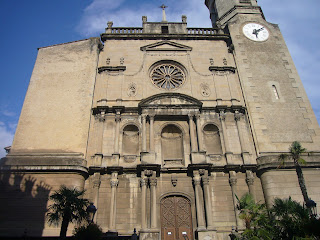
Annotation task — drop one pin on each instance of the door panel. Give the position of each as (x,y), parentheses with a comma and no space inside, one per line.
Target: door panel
(176,219)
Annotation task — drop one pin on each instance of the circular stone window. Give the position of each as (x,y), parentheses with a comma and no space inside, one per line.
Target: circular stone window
(167,76)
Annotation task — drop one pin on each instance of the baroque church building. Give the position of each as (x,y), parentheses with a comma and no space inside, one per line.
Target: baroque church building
(163,126)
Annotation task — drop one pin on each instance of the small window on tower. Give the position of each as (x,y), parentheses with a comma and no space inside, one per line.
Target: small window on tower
(275,91)
(164,29)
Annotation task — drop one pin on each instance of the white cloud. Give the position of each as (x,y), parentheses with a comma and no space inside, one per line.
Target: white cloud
(6,137)
(124,14)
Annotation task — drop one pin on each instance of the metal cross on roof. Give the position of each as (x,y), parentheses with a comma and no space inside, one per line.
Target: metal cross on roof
(164,19)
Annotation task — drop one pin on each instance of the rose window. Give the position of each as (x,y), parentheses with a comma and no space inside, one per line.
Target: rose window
(167,76)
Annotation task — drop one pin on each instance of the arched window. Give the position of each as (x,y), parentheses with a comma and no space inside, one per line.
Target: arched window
(130,140)
(172,146)
(212,139)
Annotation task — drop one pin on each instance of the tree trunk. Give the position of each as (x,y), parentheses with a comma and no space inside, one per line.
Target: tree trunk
(301,181)
(64,227)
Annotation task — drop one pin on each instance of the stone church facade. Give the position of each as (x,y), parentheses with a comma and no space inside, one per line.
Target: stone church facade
(163,126)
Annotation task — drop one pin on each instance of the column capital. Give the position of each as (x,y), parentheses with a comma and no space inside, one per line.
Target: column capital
(237,116)
(232,181)
(143,116)
(100,117)
(143,182)
(197,180)
(153,181)
(118,117)
(190,116)
(198,116)
(205,180)
(114,182)
(151,116)
(96,183)
(222,115)
(250,181)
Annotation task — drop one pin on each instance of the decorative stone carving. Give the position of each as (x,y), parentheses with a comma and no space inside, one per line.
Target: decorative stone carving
(114,182)
(174,180)
(237,116)
(121,61)
(232,181)
(225,62)
(205,90)
(222,115)
(108,61)
(148,173)
(153,182)
(132,90)
(143,182)
(130,158)
(167,76)
(96,183)
(211,61)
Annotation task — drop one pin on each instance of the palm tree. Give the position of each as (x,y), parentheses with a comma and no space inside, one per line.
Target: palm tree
(290,219)
(295,152)
(68,206)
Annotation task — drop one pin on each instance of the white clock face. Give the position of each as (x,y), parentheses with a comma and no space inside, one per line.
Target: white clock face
(256,32)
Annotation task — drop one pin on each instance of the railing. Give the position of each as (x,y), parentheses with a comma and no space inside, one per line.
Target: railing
(192,31)
(203,31)
(124,30)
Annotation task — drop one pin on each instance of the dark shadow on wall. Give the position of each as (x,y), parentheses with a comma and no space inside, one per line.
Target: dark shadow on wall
(23,203)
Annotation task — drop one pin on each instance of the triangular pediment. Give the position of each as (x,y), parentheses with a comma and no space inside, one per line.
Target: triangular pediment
(170,99)
(166,46)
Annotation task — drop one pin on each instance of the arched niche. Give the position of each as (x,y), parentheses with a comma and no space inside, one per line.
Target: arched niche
(212,140)
(130,140)
(172,145)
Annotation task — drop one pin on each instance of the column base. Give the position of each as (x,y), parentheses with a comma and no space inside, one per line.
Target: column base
(198,157)
(149,234)
(246,158)
(229,156)
(148,158)
(207,235)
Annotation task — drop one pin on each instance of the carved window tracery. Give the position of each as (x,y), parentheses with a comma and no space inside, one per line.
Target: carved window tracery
(167,76)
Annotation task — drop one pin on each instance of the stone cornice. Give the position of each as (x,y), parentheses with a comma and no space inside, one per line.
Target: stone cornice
(148,36)
(222,69)
(111,68)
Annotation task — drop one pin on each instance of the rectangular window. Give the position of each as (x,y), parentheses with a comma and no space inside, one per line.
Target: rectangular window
(275,91)
(164,29)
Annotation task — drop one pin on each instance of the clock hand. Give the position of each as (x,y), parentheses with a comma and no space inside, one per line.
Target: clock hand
(260,29)
(255,32)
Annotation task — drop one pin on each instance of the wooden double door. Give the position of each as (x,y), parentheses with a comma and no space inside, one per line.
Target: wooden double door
(176,218)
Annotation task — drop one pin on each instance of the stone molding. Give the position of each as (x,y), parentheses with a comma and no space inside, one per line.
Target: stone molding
(111,69)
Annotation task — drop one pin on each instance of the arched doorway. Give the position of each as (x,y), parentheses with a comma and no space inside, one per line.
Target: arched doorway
(176,219)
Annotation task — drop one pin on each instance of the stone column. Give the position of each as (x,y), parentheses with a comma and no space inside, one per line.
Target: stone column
(153,195)
(233,182)
(151,117)
(237,118)
(224,130)
(113,202)
(199,132)
(144,134)
(207,198)
(95,191)
(250,182)
(199,206)
(101,119)
(116,140)
(192,135)
(143,184)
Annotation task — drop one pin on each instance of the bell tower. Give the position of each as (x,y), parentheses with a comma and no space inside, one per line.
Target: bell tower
(221,11)
(276,103)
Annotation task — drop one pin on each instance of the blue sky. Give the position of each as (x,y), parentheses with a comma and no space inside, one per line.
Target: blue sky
(27,25)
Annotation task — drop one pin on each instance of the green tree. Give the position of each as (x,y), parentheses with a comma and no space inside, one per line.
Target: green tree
(256,219)
(295,151)
(88,232)
(290,219)
(68,206)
